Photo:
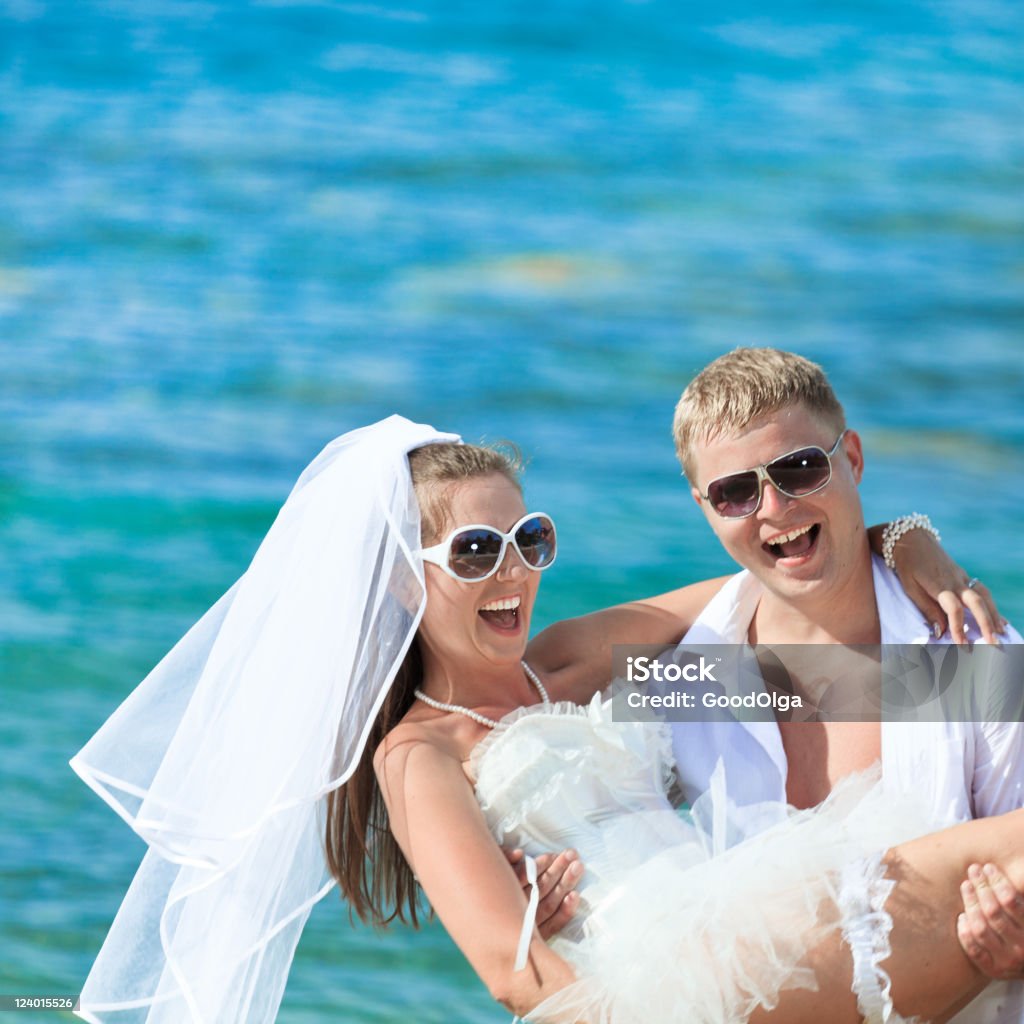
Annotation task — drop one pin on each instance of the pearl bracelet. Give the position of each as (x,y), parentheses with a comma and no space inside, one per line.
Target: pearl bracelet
(897,528)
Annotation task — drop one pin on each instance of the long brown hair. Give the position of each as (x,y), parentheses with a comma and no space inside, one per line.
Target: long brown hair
(361,852)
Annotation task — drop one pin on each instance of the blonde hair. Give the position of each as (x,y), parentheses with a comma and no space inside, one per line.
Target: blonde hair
(436,467)
(361,853)
(742,386)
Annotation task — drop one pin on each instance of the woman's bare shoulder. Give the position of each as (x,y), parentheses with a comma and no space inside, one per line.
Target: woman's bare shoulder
(430,739)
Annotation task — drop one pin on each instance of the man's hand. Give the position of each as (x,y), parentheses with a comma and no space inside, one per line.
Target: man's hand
(557,876)
(991,928)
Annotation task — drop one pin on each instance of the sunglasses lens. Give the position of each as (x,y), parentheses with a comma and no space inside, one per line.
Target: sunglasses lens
(536,541)
(734,496)
(801,472)
(474,553)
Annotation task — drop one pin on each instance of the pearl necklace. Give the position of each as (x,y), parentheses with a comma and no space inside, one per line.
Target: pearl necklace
(475,715)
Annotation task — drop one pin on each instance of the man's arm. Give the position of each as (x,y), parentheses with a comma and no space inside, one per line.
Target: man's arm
(581,648)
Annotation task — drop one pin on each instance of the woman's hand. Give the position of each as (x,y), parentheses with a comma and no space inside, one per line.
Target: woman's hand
(991,928)
(940,588)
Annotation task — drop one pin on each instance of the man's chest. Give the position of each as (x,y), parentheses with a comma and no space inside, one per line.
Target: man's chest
(820,754)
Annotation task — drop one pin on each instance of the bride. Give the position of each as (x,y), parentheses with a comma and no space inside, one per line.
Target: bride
(364,680)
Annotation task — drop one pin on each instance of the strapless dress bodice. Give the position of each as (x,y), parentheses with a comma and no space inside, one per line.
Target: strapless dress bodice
(549,777)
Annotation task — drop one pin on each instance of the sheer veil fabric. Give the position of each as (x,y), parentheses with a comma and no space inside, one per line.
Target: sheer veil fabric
(221,757)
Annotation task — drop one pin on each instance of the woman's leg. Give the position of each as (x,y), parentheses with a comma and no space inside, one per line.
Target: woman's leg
(931,976)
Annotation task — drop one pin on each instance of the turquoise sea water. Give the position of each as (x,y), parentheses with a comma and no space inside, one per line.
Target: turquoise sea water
(229,232)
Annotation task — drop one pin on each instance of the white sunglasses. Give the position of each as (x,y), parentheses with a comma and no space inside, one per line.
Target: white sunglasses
(474,553)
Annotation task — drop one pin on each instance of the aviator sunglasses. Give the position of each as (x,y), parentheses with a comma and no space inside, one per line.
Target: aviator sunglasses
(795,474)
(474,553)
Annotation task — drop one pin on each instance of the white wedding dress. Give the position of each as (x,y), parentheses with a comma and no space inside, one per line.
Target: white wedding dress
(697,916)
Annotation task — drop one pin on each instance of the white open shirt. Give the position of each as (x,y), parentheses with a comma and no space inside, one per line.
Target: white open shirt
(956,770)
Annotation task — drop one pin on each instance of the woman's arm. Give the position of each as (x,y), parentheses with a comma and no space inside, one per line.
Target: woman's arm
(441,830)
(939,587)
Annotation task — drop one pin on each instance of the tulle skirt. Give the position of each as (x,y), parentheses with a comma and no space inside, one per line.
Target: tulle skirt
(701,936)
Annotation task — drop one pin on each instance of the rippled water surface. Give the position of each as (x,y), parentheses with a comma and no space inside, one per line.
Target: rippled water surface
(229,232)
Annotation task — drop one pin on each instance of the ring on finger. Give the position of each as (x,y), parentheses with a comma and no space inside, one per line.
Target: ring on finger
(973,582)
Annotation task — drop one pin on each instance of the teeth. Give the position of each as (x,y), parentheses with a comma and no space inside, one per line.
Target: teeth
(792,535)
(502,604)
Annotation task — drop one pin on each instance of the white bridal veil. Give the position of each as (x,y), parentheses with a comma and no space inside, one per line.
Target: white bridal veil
(220,759)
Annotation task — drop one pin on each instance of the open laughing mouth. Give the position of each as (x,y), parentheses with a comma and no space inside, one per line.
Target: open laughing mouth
(797,543)
(502,614)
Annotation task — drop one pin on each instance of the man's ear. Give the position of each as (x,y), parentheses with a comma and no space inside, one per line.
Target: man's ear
(855,453)
(696,496)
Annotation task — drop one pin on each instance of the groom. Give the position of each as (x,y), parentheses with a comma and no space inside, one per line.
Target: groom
(810,578)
